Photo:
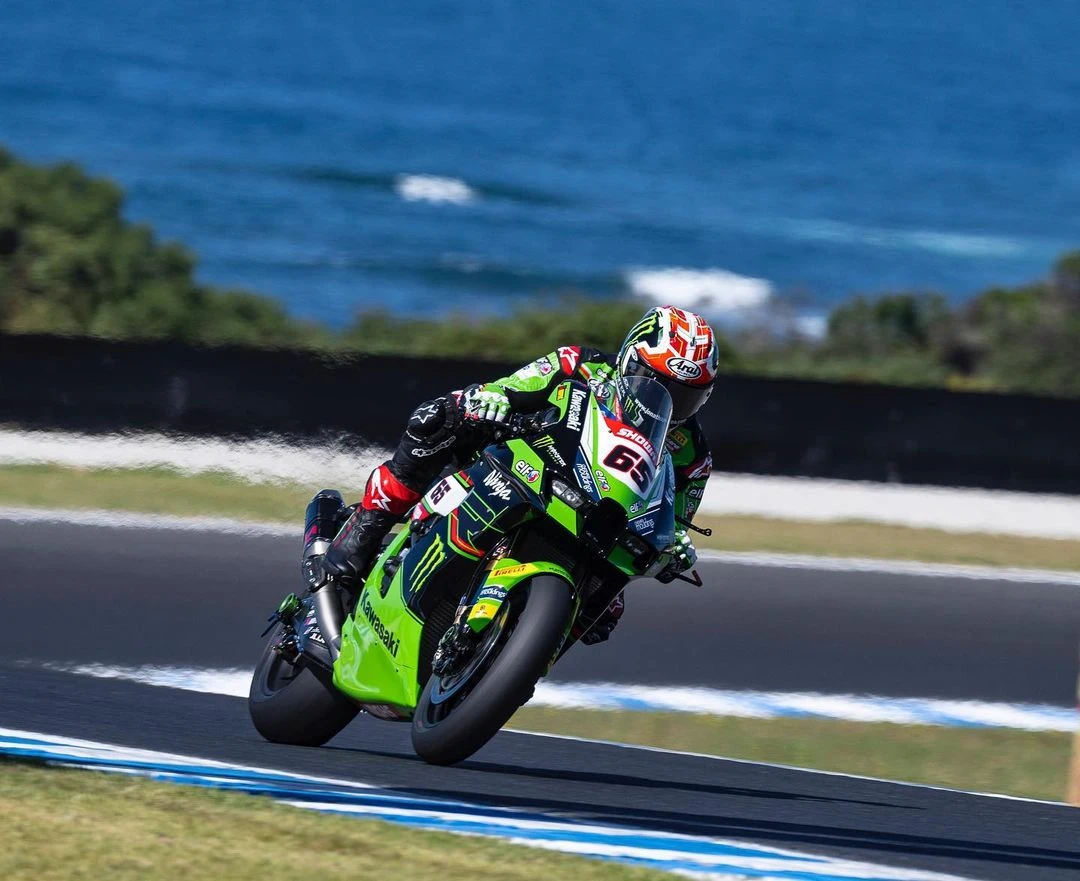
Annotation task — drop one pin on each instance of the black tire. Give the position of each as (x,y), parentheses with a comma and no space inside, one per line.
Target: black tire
(504,685)
(294,704)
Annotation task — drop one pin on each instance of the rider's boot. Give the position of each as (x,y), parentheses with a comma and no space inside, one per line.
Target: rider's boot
(354,548)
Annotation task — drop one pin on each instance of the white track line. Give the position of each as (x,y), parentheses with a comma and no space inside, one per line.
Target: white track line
(691,855)
(674,699)
(223,526)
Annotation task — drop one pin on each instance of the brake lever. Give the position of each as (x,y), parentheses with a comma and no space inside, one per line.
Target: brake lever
(696,580)
(701,530)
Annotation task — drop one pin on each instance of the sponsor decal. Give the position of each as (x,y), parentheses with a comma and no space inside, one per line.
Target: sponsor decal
(386,636)
(696,492)
(527,471)
(421,452)
(376,495)
(546,441)
(560,393)
(510,571)
(493,592)
(499,485)
(637,506)
(638,439)
(573,414)
(556,456)
(601,480)
(701,468)
(483,610)
(544,366)
(585,478)
(676,440)
(568,358)
(311,629)
(431,560)
(683,368)
(643,524)
(426,412)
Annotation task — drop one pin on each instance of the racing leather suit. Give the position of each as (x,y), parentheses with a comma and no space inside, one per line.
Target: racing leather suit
(438,435)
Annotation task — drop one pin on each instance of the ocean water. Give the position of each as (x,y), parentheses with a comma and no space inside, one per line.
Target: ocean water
(428,156)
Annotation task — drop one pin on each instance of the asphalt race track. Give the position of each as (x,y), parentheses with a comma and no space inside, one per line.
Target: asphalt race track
(140,596)
(147,596)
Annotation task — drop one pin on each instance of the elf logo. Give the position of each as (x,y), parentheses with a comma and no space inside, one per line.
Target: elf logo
(526,470)
(683,368)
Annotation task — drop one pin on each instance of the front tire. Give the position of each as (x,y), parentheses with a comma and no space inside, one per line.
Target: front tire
(294,704)
(447,728)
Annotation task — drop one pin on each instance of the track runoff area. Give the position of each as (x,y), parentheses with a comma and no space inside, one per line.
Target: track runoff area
(162,602)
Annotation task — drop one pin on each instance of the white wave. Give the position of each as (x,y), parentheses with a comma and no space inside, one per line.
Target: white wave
(812,326)
(936,241)
(710,291)
(431,188)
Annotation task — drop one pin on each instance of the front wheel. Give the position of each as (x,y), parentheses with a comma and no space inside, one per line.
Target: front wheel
(291,703)
(458,713)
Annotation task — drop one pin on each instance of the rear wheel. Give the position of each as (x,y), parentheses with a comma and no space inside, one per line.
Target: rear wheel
(294,703)
(459,712)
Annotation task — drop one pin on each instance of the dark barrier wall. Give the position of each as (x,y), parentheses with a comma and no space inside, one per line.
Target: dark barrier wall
(758,425)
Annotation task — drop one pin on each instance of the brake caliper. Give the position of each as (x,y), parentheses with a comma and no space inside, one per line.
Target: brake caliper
(453,649)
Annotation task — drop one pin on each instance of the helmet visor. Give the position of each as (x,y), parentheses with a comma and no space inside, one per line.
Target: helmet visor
(686,400)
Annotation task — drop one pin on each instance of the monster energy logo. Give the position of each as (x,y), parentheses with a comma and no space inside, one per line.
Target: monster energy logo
(386,636)
(433,556)
(546,441)
(642,329)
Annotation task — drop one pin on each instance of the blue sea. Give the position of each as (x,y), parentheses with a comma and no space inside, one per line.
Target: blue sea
(426,156)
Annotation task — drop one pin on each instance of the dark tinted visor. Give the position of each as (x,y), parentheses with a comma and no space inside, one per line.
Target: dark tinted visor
(686,400)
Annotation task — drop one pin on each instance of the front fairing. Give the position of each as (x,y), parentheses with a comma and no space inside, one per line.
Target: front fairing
(615,465)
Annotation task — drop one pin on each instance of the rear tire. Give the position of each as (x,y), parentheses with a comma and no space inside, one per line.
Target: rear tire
(447,735)
(294,704)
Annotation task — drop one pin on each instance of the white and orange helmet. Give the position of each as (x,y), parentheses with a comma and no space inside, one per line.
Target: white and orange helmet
(678,349)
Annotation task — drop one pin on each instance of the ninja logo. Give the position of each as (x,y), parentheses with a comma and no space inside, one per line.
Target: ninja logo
(499,486)
(573,414)
(386,636)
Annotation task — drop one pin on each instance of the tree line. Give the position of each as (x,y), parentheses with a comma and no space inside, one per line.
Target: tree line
(71,264)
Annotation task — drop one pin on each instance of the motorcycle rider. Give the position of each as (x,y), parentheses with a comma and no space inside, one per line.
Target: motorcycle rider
(672,346)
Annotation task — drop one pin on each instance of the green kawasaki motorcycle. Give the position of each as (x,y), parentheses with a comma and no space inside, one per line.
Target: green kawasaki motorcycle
(501,568)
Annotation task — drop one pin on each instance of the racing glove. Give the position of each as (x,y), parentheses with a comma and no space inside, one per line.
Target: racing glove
(682,555)
(487,403)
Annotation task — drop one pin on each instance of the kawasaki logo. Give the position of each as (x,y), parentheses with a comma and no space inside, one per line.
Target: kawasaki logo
(386,636)
(573,415)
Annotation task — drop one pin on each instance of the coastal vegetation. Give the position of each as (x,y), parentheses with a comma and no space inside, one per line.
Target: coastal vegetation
(71,264)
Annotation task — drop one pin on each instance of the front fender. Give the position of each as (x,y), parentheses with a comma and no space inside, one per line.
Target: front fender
(503,578)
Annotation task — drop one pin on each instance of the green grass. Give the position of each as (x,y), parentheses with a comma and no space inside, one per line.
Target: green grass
(64,824)
(163,491)
(1033,764)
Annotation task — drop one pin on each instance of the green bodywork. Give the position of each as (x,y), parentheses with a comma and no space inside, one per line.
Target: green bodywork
(381,640)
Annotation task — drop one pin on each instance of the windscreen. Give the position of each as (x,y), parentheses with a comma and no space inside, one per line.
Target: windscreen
(645,406)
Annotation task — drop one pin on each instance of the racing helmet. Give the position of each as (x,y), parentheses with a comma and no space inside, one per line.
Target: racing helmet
(678,349)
